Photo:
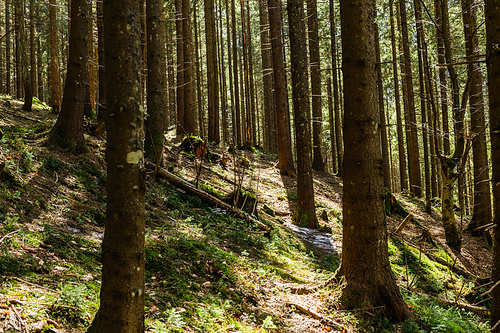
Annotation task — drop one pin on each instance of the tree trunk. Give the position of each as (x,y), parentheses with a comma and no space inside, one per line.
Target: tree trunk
(199,103)
(369,280)
(315,67)
(33,71)
(212,77)
(237,135)
(122,292)
(180,68)
(40,69)
(68,129)
(331,121)
(403,179)
(336,100)
(306,211)
(269,124)
(482,196)
(383,126)
(492,17)
(285,158)
(7,47)
(423,104)
(155,123)
(55,74)
(414,158)
(101,107)
(24,63)
(190,120)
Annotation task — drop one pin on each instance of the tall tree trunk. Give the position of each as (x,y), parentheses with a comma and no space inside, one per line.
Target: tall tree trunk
(68,129)
(23,58)
(17,44)
(452,165)
(55,74)
(123,258)
(101,107)
(199,103)
(369,280)
(269,124)
(190,120)
(403,179)
(414,156)
(285,158)
(492,17)
(32,47)
(336,100)
(155,123)
(331,121)
(482,196)
(7,47)
(180,67)
(306,211)
(223,85)
(237,135)
(381,108)
(443,83)
(40,69)
(423,103)
(253,108)
(315,66)
(247,140)
(212,77)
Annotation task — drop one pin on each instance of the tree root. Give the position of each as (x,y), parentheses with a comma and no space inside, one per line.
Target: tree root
(315,315)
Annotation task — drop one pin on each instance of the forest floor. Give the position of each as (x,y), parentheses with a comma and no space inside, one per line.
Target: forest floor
(207,271)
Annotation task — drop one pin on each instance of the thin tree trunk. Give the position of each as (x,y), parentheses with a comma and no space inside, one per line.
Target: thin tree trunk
(306,212)
(315,67)
(237,135)
(40,69)
(285,158)
(180,68)
(199,103)
(101,106)
(55,74)
(482,196)
(7,47)
(212,77)
(253,107)
(32,46)
(223,84)
(331,119)
(399,123)
(414,158)
(247,140)
(336,100)
(190,119)
(383,126)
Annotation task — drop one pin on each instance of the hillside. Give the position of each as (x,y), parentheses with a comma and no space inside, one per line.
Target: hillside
(206,271)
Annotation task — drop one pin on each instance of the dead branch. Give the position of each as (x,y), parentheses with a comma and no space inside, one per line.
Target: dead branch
(403,224)
(489,291)
(477,310)
(318,316)
(8,235)
(21,116)
(209,199)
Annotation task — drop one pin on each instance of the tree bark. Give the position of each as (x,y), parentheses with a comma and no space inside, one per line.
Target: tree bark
(315,67)
(369,280)
(306,211)
(190,119)
(414,156)
(482,196)
(179,88)
(68,129)
(122,292)
(237,135)
(55,74)
(492,17)
(101,107)
(212,77)
(7,47)
(285,158)
(403,179)
(33,70)
(155,122)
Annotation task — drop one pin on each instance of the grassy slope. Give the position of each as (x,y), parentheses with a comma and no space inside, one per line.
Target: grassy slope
(206,271)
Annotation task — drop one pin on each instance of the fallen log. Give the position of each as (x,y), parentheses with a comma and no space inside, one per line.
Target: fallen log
(204,196)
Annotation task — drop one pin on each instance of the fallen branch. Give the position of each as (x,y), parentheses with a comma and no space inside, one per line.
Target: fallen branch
(318,316)
(477,310)
(34,285)
(210,199)
(8,235)
(21,116)
(403,224)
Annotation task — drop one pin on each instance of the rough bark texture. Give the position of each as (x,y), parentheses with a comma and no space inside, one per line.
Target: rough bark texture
(7,47)
(414,158)
(237,135)
(306,211)
(285,158)
(492,19)
(23,51)
(336,100)
(179,88)
(381,109)
(101,105)
(482,195)
(122,291)
(403,179)
(32,46)
(268,124)
(55,74)
(190,120)
(155,123)
(212,76)
(68,129)
(368,277)
(315,67)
